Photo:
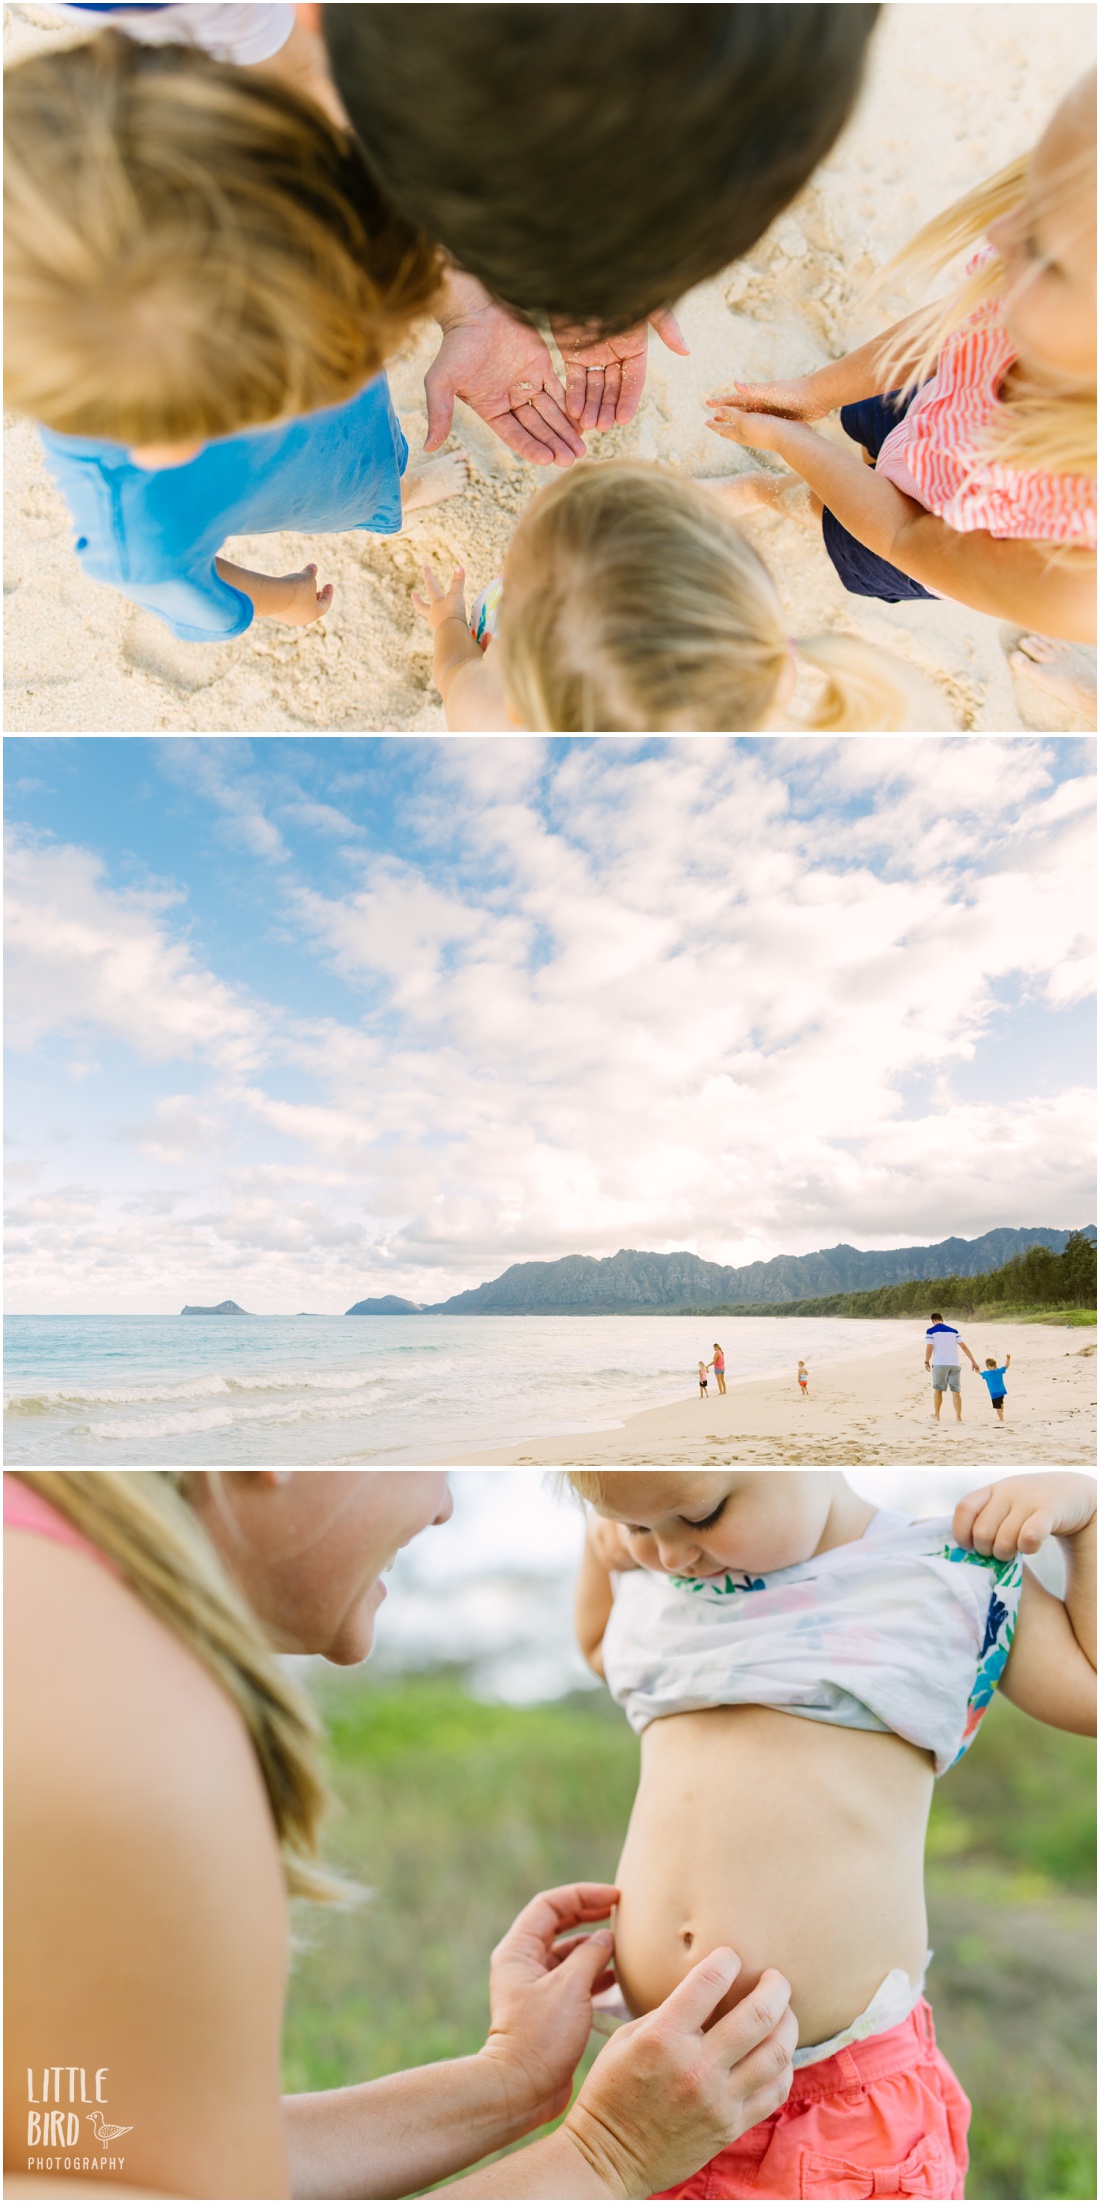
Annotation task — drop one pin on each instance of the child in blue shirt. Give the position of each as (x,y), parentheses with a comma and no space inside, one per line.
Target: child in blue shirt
(202,281)
(994,1375)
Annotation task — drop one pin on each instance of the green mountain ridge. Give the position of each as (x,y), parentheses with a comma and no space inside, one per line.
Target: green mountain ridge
(633,1282)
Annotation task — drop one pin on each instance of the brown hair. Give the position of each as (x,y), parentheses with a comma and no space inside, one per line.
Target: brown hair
(190,248)
(633,603)
(596,161)
(141,1520)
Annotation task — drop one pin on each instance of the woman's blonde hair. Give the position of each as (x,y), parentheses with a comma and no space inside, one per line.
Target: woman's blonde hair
(634,604)
(190,248)
(1051,429)
(141,1520)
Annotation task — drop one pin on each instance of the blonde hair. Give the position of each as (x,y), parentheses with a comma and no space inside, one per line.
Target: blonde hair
(633,603)
(1054,430)
(588,1484)
(190,248)
(141,1520)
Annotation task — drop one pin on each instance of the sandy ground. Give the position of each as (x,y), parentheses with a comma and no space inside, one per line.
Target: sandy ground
(953,91)
(875,1412)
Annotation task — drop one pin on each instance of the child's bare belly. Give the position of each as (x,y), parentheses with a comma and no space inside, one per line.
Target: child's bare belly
(798,1843)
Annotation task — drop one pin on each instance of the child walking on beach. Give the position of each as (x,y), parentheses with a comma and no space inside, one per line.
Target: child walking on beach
(982,477)
(801,1666)
(703,1380)
(994,1375)
(631,601)
(803,1379)
(201,284)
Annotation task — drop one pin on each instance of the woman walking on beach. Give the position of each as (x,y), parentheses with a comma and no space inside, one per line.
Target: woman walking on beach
(719,1366)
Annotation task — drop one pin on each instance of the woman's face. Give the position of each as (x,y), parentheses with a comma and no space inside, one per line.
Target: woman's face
(308,1549)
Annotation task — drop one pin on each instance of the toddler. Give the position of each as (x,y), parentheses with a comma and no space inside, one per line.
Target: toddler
(982,477)
(631,601)
(994,1375)
(803,1378)
(703,1380)
(201,284)
(801,1666)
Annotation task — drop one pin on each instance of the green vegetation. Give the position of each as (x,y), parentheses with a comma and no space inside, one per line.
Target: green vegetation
(456,1812)
(1034,1287)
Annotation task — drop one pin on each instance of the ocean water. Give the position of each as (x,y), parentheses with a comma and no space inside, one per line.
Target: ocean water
(331,1391)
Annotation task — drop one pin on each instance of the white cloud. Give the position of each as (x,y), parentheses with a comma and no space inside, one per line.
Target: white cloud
(80,954)
(655,997)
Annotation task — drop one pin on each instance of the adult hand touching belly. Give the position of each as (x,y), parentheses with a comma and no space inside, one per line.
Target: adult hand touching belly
(667,2093)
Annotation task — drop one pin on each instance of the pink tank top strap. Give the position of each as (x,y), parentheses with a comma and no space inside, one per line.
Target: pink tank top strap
(25,1510)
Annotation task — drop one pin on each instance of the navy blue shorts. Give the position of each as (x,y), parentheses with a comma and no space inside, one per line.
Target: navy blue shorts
(997,1399)
(863,572)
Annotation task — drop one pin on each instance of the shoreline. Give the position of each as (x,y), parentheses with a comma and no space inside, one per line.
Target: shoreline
(871,1411)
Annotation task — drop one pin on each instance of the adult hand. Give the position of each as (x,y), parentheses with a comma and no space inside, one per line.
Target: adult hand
(604,382)
(503,371)
(665,2096)
(540,1995)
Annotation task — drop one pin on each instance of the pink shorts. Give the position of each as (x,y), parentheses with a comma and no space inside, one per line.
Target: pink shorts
(885,2117)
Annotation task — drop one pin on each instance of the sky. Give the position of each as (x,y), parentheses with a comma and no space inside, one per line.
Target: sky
(295,1022)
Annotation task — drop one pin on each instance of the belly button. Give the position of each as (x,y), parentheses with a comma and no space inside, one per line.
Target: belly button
(687,1938)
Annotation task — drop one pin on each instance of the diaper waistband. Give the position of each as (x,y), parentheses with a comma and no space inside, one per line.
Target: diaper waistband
(892,2003)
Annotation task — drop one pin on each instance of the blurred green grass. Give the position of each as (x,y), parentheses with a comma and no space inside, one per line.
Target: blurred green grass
(455,1812)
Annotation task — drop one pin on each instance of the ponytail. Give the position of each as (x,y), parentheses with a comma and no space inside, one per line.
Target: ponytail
(141,1520)
(860,695)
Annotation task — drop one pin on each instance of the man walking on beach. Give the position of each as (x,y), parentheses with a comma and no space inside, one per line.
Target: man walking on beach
(941,1353)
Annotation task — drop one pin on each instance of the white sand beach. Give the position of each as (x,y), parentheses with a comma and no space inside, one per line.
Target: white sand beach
(953,91)
(876,1412)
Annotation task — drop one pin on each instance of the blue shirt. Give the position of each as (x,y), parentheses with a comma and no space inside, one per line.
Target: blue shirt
(995,1379)
(154,533)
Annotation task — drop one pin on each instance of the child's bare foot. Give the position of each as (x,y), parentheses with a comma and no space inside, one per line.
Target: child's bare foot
(757,487)
(430,481)
(1063,671)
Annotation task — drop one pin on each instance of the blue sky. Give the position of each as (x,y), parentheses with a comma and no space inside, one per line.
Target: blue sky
(295,1021)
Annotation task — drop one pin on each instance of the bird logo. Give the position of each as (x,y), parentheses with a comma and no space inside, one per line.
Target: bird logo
(103,2132)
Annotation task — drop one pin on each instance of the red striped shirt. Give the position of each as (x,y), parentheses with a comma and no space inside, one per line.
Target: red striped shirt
(935,454)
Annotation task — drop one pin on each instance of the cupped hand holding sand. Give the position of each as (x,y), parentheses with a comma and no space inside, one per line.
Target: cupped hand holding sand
(759,431)
(798,400)
(604,381)
(503,371)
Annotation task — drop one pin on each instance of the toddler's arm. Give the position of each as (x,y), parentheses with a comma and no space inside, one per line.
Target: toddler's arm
(1051,1669)
(473,699)
(292,598)
(605,1548)
(1010,579)
(859,374)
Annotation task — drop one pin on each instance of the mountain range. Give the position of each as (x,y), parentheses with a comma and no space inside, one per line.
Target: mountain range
(632,1283)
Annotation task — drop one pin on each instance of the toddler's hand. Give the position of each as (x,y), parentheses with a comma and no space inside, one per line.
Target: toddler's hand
(437,605)
(759,431)
(1016,1515)
(299,601)
(792,401)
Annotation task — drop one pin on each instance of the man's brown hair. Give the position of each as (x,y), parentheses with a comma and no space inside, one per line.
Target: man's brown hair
(190,248)
(593,162)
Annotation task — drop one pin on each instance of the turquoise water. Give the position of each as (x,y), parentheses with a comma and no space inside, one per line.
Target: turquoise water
(318,1391)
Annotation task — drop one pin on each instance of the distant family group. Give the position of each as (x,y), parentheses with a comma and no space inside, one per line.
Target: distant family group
(223,220)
